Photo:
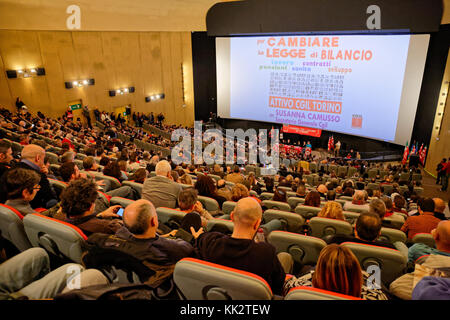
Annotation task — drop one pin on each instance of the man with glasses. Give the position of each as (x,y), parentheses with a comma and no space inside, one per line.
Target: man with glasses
(21,186)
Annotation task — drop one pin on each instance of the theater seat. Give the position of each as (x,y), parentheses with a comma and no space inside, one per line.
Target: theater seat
(210,204)
(390,261)
(307,212)
(309,293)
(351,217)
(123,202)
(392,235)
(57,237)
(165,215)
(266,196)
(58,186)
(425,238)
(228,207)
(220,224)
(304,249)
(295,201)
(322,227)
(276,205)
(136,186)
(202,280)
(12,229)
(52,157)
(294,222)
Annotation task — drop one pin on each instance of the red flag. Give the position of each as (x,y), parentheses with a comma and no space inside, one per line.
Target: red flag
(420,150)
(405,154)
(422,155)
(329,143)
(332,143)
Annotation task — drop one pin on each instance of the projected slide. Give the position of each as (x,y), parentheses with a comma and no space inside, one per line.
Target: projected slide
(350,84)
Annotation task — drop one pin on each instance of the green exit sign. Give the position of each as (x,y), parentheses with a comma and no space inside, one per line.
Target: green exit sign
(75,106)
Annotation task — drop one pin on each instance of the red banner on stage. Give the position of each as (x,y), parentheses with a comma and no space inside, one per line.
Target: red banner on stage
(302,130)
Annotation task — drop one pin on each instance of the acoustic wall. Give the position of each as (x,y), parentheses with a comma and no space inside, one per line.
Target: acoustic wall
(152,62)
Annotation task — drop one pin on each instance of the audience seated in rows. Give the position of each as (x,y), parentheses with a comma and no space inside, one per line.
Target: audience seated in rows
(424,222)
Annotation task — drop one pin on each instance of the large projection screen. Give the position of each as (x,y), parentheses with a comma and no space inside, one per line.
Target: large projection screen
(363,85)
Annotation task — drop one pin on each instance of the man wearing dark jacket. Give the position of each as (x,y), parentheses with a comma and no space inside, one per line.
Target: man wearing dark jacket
(33,159)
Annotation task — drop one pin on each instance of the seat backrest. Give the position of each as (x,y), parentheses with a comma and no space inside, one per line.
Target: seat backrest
(351,217)
(11,227)
(392,222)
(228,207)
(295,201)
(212,223)
(202,280)
(136,186)
(425,238)
(391,262)
(57,237)
(266,196)
(276,205)
(52,157)
(58,186)
(321,227)
(115,183)
(313,167)
(303,249)
(210,204)
(351,171)
(392,235)
(293,221)
(79,163)
(307,212)
(123,202)
(346,198)
(309,293)
(215,177)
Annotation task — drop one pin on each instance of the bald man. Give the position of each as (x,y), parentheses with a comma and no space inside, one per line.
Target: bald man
(441,236)
(33,158)
(140,224)
(439,208)
(239,251)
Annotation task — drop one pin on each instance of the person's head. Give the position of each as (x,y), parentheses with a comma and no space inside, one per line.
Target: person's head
(239,191)
(112,169)
(187,198)
(331,195)
(175,175)
(191,219)
(78,198)
(246,217)
(348,192)
(301,190)
(163,168)
(441,236)
(399,202)
(186,179)
(378,207)
(6,153)
(140,219)
(322,189)
(34,154)
(139,175)
(279,195)
(21,184)
(104,161)
(439,205)
(68,156)
(123,165)
(69,171)
(332,210)
(425,205)
(313,199)
(89,163)
(205,185)
(368,226)
(236,169)
(388,203)
(338,270)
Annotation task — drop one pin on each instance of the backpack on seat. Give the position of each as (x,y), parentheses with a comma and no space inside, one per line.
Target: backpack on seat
(127,262)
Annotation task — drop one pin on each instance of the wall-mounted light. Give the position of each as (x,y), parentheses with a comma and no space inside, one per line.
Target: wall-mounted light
(79,83)
(155,97)
(122,91)
(25,73)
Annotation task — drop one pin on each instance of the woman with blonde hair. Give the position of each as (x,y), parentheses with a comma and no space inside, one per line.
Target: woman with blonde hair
(338,270)
(332,210)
